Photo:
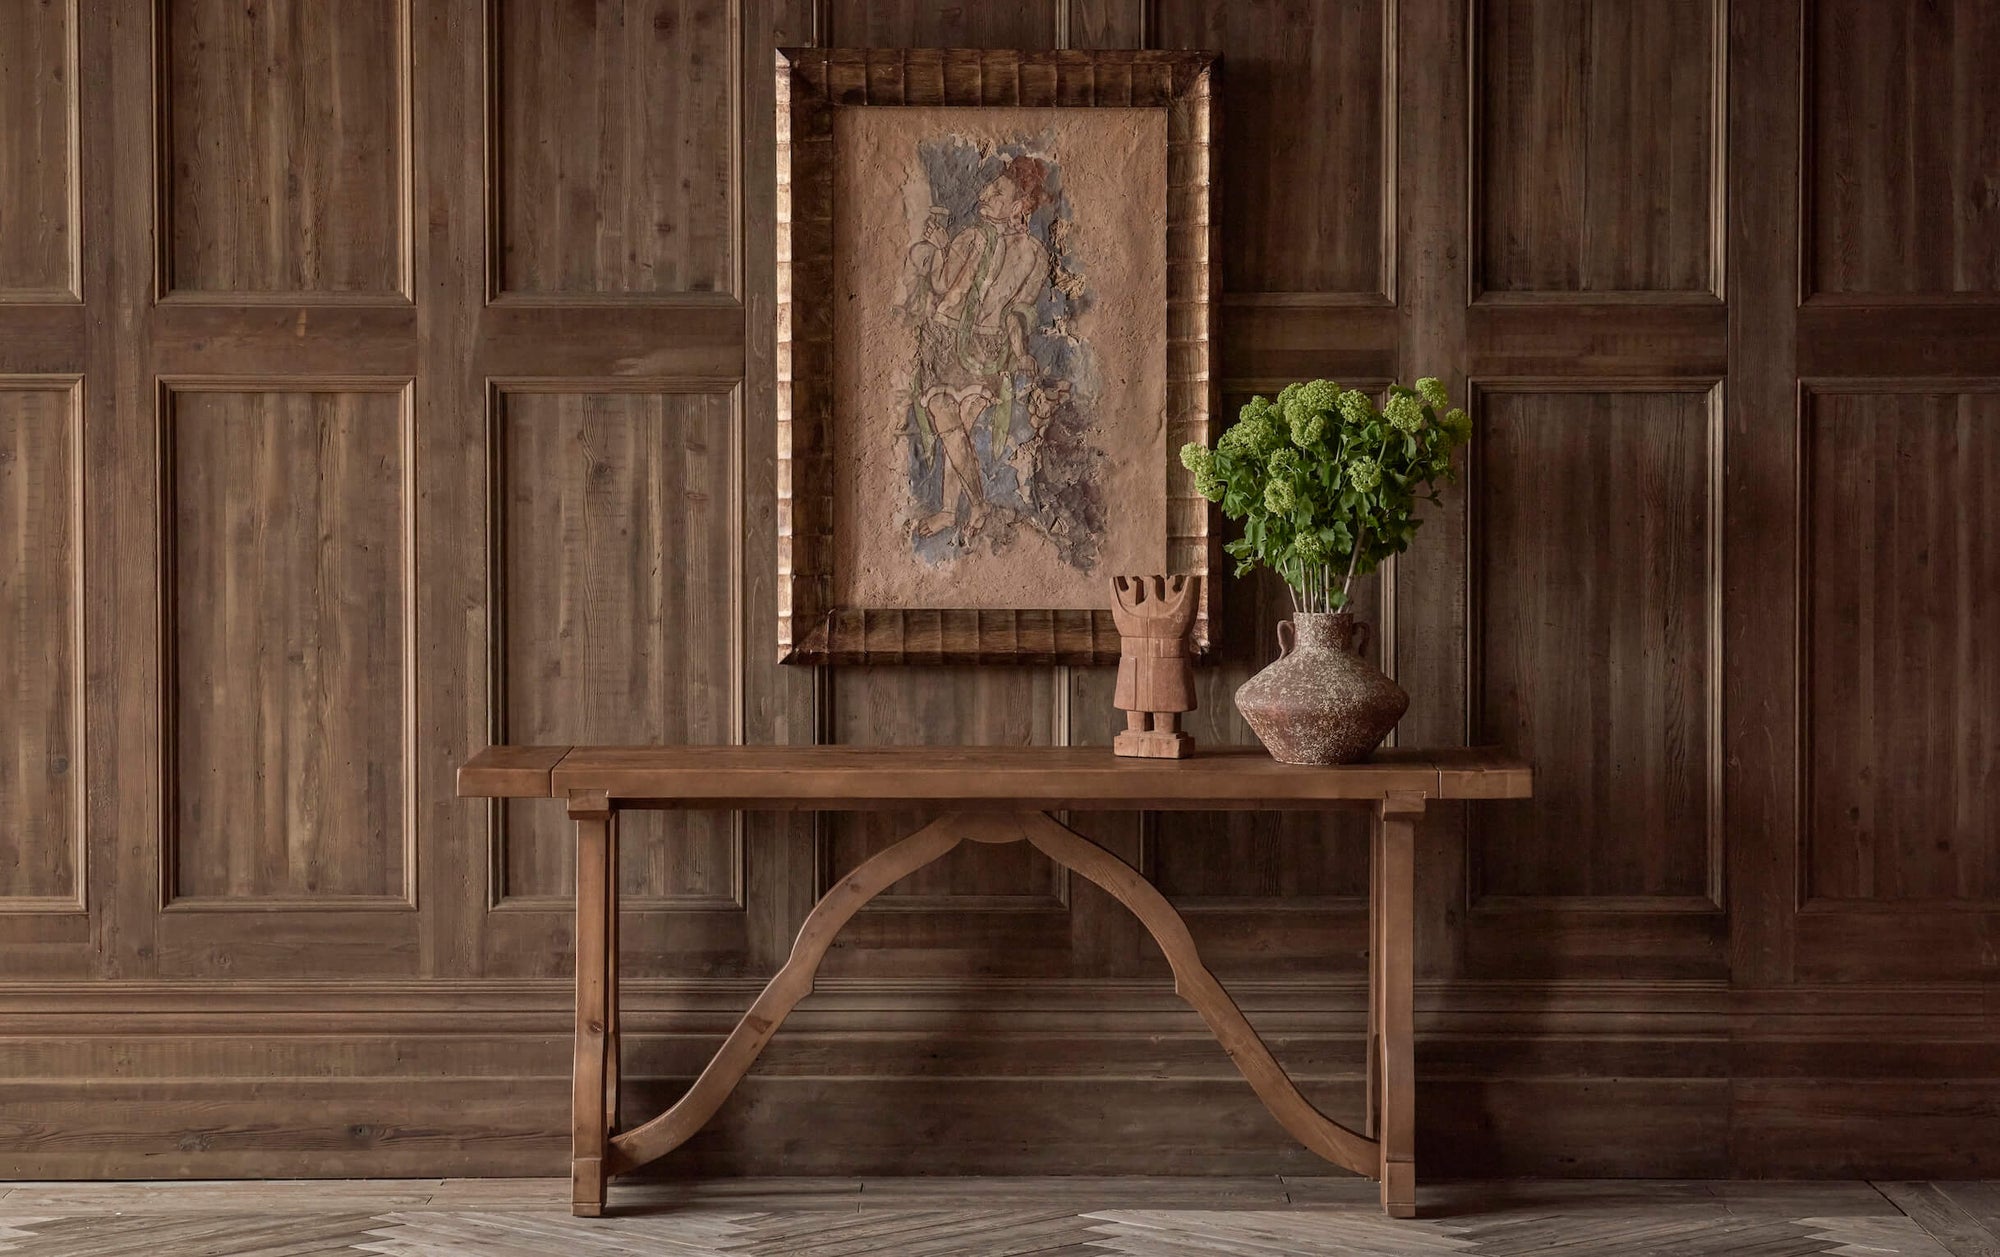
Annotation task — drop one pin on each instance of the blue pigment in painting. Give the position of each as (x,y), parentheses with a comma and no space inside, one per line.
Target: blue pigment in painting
(997,414)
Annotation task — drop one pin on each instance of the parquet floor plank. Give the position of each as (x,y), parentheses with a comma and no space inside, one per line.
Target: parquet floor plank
(1073,1217)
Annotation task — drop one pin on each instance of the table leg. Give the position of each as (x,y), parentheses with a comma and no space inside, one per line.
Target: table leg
(613,1053)
(589,1126)
(1372,1112)
(1394,997)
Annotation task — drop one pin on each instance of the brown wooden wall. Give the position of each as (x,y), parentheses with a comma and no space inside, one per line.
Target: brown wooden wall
(380,379)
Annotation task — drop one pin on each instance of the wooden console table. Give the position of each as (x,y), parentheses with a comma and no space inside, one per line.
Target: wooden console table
(987,794)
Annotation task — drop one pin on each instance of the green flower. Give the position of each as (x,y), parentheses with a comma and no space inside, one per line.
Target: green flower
(1285,396)
(1261,408)
(1313,397)
(1245,436)
(1457,425)
(1280,497)
(1311,550)
(1405,413)
(1196,457)
(1364,474)
(1268,435)
(1210,485)
(1308,432)
(1285,463)
(1354,407)
(1433,392)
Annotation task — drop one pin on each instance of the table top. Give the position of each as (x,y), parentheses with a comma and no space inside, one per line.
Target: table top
(851,778)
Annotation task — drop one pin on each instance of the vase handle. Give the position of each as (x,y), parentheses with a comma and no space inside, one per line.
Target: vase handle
(1287,638)
(1363,634)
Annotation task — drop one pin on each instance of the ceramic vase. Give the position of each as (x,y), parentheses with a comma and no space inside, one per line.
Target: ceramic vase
(1321,702)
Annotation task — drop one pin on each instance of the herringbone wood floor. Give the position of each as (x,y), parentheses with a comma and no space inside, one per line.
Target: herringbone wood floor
(999,1218)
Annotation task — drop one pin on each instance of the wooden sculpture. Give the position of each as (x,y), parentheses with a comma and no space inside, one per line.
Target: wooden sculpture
(1155,677)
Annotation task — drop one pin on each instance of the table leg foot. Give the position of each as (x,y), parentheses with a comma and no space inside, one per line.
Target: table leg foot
(1399,1189)
(586,1182)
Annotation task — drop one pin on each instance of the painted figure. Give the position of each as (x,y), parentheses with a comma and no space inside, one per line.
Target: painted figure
(997,435)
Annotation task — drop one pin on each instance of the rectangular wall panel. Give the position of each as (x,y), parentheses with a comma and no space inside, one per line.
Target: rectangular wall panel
(1595,145)
(1592,533)
(1903,147)
(1283,859)
(285,131)
(616,572)
(930,24)
(286,518)
(1902,696)
(41,762)
(613,136)
(37,150)
(1307,178)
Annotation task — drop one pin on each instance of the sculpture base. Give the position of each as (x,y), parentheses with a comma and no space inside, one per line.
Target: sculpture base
(1153,744)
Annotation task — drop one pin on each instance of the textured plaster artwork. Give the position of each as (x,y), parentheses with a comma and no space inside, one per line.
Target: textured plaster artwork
(999,354)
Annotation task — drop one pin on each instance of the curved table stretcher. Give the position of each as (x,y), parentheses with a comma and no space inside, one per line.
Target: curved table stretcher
(988,795)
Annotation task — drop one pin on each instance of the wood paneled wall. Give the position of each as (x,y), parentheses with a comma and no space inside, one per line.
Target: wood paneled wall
(381,379)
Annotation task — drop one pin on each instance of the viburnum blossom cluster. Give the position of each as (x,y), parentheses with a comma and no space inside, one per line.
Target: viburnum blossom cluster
(1326,483)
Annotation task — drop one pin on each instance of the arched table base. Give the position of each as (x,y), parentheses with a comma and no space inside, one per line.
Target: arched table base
(604,1154)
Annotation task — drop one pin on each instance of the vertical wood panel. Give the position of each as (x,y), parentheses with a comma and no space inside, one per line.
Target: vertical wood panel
(616,561)
(1595,145)
(284,125)
(1761,619)
(1306,118)
(1903,624)
(38,173)
(941,23)
(286,634)
(40,757)
(1592,650)
(1903,191)
(615,146)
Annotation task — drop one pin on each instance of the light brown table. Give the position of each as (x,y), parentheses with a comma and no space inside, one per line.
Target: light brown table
(988,794)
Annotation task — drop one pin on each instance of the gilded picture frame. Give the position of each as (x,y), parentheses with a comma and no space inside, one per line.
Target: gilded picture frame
(815,626)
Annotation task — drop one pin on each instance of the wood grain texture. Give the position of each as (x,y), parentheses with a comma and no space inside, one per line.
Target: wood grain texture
(1308,79)
(1903,148)
(288,514)
(285,145)
(1903,688)
(1574,1033)
(925,24)
(1594,145)
(38,152)
(1593,651)
(41,751)
(614,566)
(865,778)
(614,160)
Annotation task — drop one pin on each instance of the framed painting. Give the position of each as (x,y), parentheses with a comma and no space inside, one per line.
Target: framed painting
(994,331)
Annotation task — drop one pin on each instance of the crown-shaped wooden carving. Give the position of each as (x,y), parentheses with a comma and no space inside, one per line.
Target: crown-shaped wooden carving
(1155,675)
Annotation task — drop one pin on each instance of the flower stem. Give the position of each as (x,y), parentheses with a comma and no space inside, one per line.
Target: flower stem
(1360,533)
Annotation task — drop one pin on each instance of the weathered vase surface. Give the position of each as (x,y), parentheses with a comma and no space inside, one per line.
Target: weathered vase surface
(1321,702)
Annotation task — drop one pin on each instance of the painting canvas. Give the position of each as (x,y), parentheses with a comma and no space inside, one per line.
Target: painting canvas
(997,383)
(993,326)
